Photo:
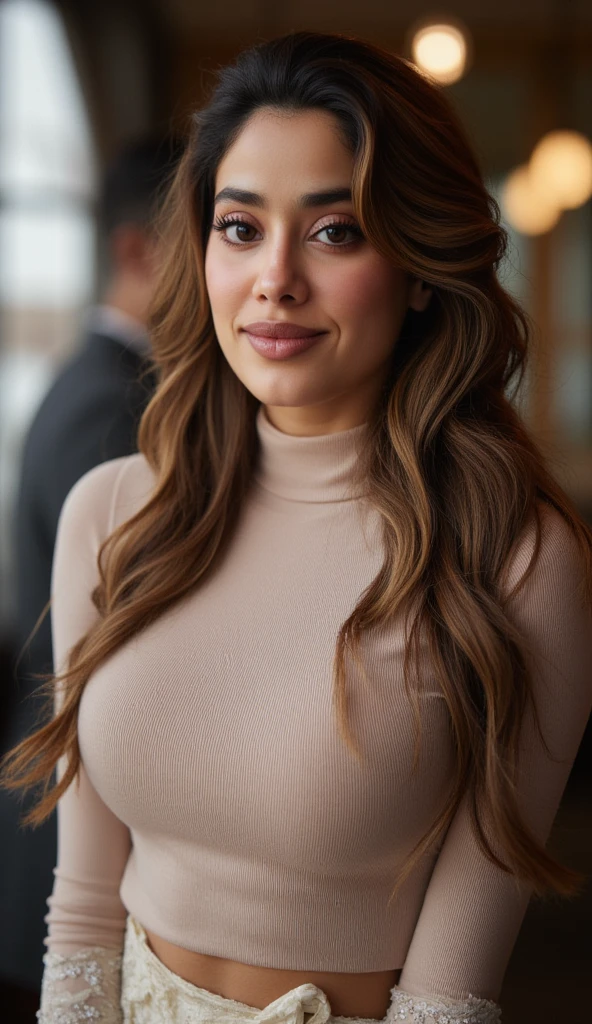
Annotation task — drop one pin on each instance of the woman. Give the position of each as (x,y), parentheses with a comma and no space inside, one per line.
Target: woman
(330,466)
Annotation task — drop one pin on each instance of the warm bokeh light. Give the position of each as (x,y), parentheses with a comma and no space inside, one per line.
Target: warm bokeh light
(561,165)
(441,51)
(526,207)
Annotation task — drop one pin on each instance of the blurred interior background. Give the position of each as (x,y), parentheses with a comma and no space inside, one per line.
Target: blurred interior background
(79,77)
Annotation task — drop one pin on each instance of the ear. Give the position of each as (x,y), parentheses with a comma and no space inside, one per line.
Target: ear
(420,294)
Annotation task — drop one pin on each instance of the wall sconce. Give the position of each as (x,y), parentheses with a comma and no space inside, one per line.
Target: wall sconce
(557,177)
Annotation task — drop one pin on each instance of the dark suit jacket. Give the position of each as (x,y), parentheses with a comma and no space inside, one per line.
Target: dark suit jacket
(89,415)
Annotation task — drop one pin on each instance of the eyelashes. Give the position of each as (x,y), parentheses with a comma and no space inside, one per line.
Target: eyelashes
(232,220)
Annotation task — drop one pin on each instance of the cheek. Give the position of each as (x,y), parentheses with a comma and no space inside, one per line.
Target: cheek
(366,289)
(224,284)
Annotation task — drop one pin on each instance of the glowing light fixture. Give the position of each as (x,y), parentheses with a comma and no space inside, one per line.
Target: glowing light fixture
(561,165)
(526,206)
(440,50)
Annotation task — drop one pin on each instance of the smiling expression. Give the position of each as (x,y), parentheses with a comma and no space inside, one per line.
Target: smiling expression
(285,246)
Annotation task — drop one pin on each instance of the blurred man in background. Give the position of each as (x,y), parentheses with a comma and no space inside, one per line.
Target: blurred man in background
(89,415)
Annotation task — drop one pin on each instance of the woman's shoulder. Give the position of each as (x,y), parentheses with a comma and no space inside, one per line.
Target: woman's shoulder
(559,566)
(108,494)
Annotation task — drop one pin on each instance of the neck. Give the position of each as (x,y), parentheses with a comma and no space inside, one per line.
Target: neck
(315,468)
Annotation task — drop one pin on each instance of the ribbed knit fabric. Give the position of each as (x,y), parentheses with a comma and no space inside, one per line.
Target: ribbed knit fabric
(217,802)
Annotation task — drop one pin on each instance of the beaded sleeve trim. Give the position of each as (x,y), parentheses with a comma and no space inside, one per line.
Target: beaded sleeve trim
(82,987)
(441,1010)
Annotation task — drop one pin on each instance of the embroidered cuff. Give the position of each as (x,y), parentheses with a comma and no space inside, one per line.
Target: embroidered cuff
(442,1010)
(85,986)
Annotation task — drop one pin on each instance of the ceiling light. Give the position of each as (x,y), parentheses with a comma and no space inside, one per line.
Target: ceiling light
(440,50)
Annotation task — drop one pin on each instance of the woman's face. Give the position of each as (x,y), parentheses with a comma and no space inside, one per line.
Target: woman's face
(283,251)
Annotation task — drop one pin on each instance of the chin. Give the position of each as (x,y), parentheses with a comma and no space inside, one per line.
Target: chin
(282,394)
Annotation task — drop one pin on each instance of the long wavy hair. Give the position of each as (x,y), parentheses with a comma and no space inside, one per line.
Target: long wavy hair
(449,464)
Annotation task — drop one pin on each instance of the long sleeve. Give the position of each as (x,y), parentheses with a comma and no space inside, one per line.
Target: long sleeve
(472,911)
(86,920)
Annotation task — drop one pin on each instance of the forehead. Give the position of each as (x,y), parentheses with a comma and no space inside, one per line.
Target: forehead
(282,152)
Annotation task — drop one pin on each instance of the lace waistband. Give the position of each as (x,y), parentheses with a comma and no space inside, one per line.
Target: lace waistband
(168,998)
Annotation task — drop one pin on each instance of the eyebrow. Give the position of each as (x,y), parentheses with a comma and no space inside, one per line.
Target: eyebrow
(240,195)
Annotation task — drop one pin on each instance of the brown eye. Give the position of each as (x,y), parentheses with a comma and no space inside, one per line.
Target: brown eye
(338,236)
(242,231)
(225,224)
(336,232)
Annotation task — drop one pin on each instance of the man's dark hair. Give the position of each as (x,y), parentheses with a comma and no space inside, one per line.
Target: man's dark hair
(136,179)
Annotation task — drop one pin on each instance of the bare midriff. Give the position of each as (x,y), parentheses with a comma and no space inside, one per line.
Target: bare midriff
(350,995)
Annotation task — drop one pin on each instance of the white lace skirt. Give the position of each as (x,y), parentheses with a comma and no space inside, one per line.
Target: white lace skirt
(152,994)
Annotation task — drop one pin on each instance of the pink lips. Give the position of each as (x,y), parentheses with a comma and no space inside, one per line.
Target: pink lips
(276,339)
(279,329)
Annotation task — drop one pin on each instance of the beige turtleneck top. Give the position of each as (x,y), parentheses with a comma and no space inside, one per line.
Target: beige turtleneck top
(217,802)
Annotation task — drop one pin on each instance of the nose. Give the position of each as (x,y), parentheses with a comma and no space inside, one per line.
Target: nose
(280,277)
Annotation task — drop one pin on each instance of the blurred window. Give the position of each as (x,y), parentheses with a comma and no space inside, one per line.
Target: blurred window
(570,310)
(572,315)
(515,274)
(47,231)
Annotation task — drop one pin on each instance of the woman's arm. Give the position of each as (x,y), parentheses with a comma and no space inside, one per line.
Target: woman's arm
(472,911)
(86,919)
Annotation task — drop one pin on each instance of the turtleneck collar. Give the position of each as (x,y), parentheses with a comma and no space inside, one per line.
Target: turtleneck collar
(317,468)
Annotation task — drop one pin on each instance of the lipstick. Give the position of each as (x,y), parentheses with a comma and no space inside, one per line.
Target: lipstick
(277,339)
